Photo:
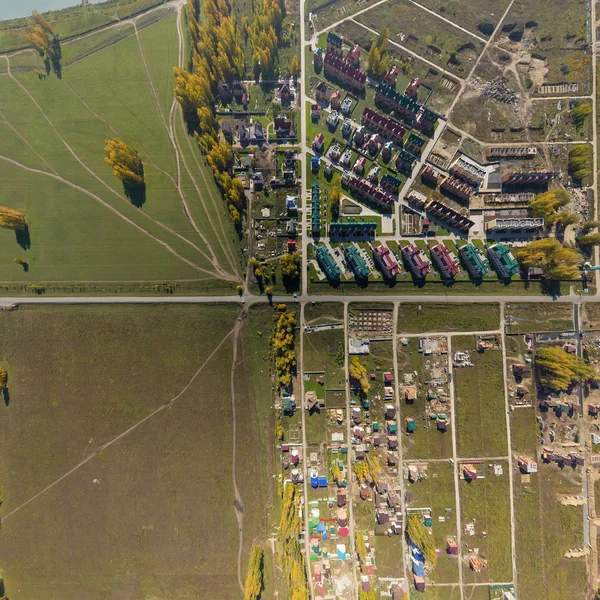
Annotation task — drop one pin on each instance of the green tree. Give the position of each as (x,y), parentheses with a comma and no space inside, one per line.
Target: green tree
(593,239)
(335,197)
(581,110)
(557,370)
(580,163)
(549,254)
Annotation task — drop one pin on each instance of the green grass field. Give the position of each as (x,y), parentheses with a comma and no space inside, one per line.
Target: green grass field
(480,403)
(83,229)
(135,519)
(74,21)
(423,318)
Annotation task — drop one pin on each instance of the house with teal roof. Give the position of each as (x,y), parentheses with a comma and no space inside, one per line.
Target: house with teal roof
(475,262)
(502,260)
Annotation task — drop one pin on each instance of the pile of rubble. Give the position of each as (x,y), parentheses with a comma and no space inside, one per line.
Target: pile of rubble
(498,90)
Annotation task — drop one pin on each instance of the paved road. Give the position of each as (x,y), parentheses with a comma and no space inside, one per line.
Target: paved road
(247,299)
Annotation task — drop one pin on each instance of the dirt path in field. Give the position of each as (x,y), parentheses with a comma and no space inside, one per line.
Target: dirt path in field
(219,273)
(237,502)
(150,161)
(101,118)
(178,154)
(111,208)
(95,453)
(176,109)
(27,143)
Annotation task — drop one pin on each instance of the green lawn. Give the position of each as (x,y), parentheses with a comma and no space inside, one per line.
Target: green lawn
(486,501)
(480,403)
(423,318)
(136,518)
(83,230)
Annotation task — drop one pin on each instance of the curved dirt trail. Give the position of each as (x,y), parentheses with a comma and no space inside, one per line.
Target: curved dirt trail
(27,143)
(178,157)
(175,107)
(238,505)
(151,162)
(111,208)
(101,118)
(100,180)
(167,404)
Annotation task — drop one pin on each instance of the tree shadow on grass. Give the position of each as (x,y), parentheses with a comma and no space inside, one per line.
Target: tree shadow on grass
(23,238)
(135,193)
(6,396)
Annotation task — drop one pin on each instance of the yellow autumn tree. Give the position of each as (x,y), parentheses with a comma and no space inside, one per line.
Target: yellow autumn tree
(126,162)
(255,578)
(358,371)
(558,370)
(557,261)
(294,67)
(11,219)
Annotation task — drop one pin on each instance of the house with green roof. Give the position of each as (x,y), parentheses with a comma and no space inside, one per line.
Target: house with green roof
(474,261)
(502,260)
(389,98)
(414,144)
(327,263)
(316,208)
(334,43)
(356,262)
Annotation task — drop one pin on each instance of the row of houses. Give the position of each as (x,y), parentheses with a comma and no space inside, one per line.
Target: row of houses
(405,105)
(381,256)
(366,191)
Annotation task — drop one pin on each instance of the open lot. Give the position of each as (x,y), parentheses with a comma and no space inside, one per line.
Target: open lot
(425,34)
(141,511)
(436,492)
(485,502)
(474,15)
(523,318)
(430,317)
(480,403)
(83,228)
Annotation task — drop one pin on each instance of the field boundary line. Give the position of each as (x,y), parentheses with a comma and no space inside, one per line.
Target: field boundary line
(167,404)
